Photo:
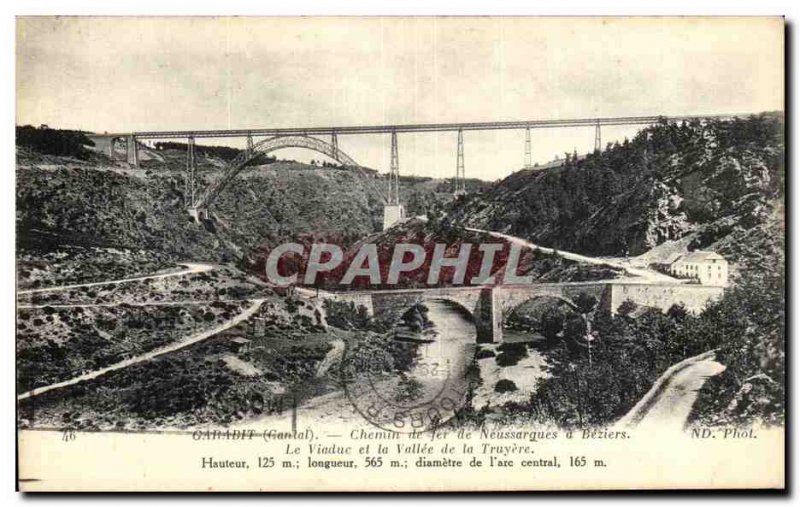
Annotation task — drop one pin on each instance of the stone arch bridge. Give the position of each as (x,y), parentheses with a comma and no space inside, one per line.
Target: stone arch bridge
(489,306)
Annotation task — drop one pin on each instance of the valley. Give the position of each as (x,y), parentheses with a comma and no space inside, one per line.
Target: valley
(133,316)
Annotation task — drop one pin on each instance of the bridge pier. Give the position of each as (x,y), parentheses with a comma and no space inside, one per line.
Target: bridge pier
(460,186)
(393,213)
(394,173)
(335,145)
(131,151)
(103,143)
(249,146)
(489,317)
(528,161)
(190,172)
(597,144)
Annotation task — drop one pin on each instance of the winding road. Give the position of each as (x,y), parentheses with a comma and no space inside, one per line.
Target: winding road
(191,267)
(645,274)
(144,303)
(667,404)
(191,340)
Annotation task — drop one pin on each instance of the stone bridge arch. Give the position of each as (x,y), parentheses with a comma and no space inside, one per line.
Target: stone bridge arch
(488,306)
(525,317)
(263,147)
(458,305)
(390,306)
(467,311)
(469,300)
(454,308)
(508,306)
(511,298)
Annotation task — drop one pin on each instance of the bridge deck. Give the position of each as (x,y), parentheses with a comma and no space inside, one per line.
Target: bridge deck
(467,288)
(422,127)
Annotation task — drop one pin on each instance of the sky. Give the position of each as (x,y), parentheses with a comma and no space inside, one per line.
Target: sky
(120,74)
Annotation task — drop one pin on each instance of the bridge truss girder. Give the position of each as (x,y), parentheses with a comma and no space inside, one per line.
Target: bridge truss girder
(431,127)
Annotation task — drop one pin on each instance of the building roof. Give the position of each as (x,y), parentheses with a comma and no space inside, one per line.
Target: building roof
(700,256)
(672,258)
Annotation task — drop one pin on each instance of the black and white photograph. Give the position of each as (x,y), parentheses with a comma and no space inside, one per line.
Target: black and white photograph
(400,253)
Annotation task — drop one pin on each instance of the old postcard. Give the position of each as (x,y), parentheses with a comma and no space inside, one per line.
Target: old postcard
(399,254)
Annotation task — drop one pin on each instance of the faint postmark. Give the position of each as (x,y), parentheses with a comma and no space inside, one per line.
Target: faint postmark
(422,396)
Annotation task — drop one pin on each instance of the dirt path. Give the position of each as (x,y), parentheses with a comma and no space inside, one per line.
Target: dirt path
(667,404)
(144,303)
(331,357)
(190,268)
(646,274)
(191,340)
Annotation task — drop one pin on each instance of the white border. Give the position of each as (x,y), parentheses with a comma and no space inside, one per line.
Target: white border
(310,7)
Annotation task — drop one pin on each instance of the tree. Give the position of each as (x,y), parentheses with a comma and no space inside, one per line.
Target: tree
(678,312)
(69,143)
(575,328)
(585,302)
(552,324)
(626,308)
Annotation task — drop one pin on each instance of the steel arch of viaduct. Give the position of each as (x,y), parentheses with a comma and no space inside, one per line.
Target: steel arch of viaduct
(265,146)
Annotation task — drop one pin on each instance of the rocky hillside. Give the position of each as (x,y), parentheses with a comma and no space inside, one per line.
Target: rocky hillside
(711,184)
(67,202)
(715,184)
(542,266)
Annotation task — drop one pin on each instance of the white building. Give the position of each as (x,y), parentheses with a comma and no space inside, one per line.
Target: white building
(708,268)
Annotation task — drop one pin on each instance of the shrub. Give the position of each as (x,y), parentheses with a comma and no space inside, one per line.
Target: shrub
(626,308)
(511,353)
(505,386)
(585,302)
(485,353)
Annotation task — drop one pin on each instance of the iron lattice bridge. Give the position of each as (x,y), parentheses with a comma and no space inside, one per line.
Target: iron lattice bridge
(198,200)
(426,127)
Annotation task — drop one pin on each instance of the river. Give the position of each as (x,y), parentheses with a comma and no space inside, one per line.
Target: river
(451,352)
(440,367)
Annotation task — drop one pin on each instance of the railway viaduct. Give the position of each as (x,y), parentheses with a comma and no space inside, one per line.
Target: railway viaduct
(262,141)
